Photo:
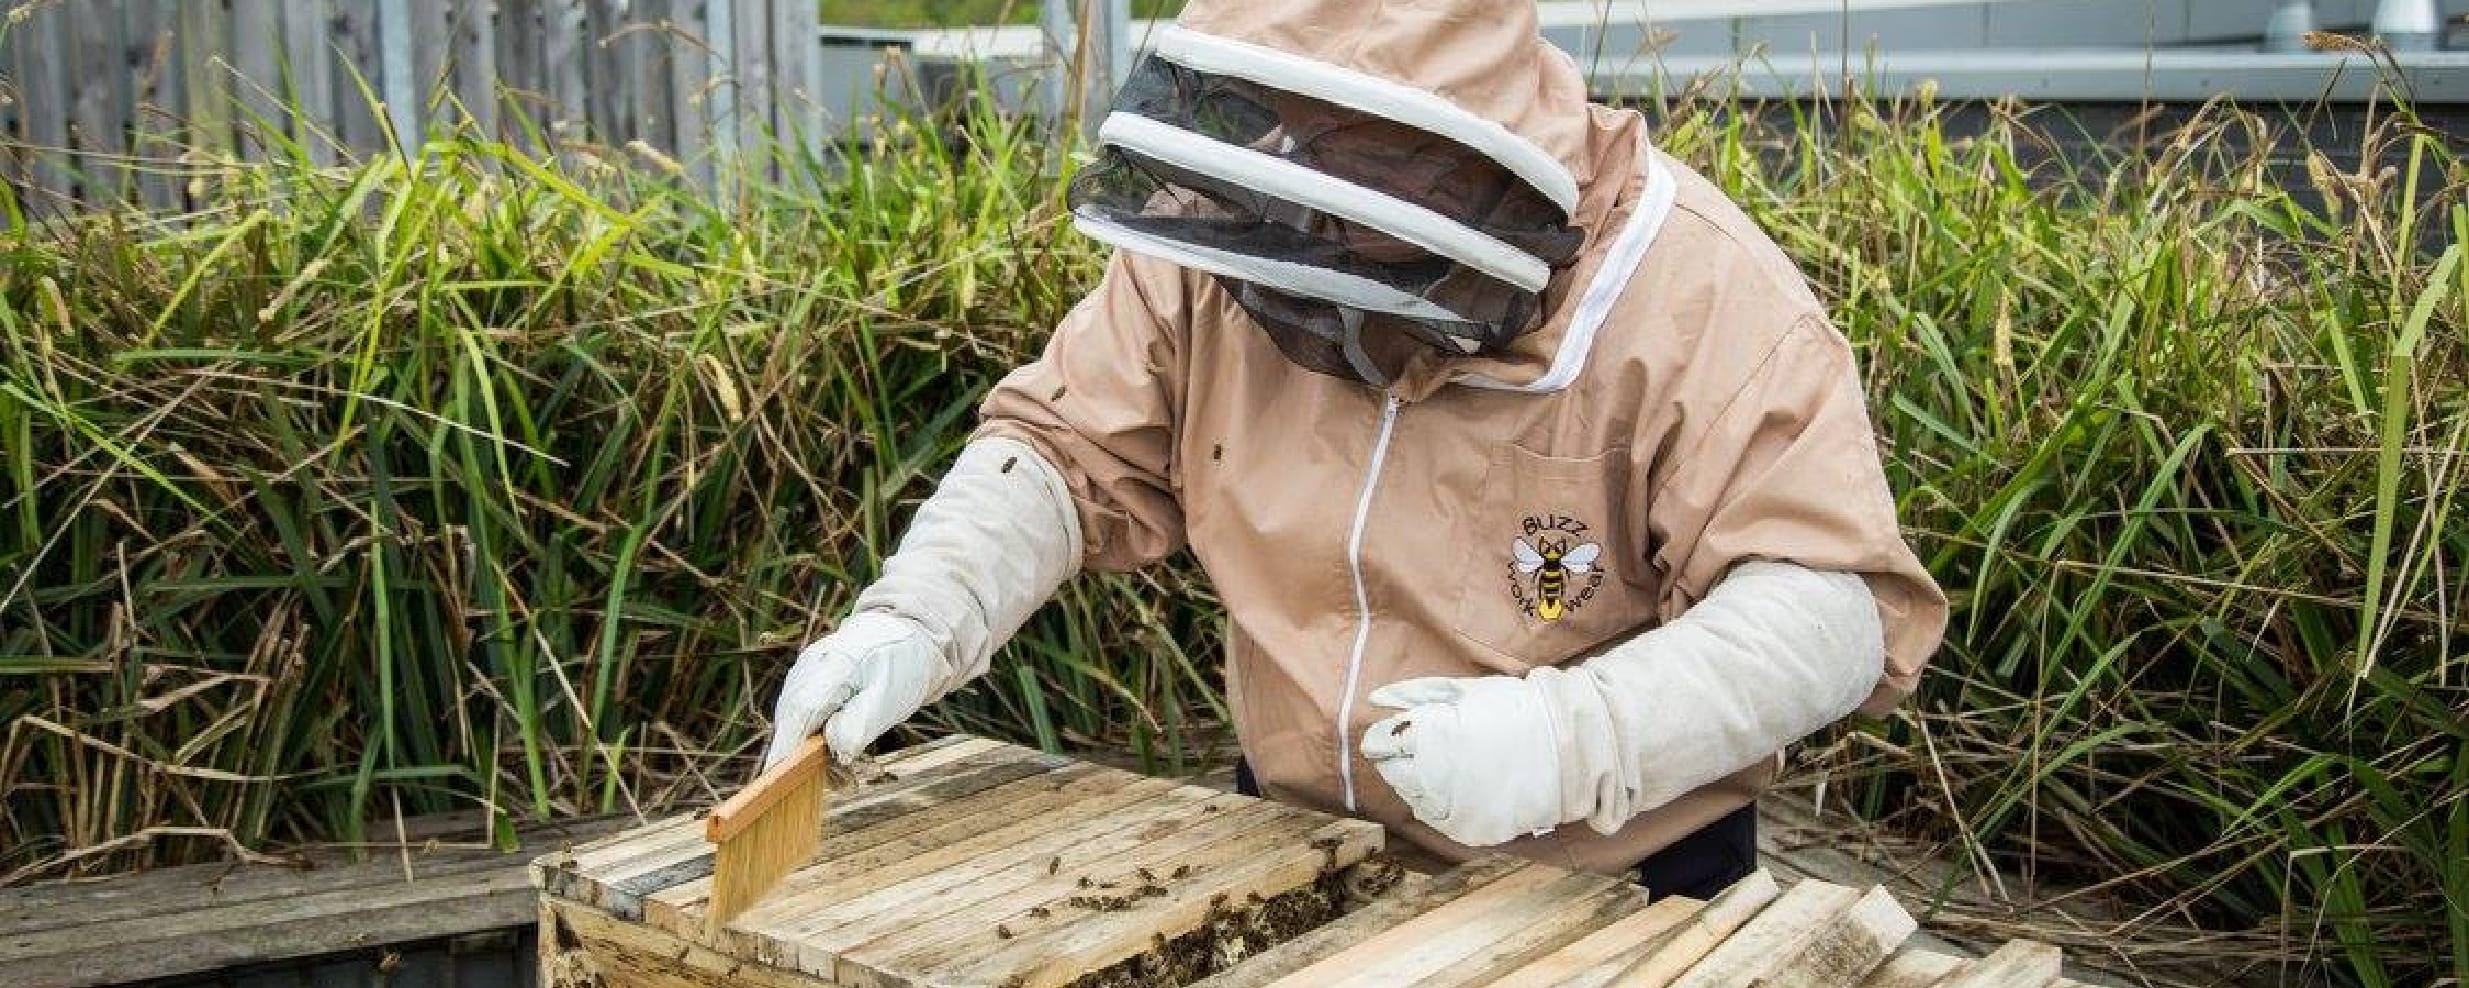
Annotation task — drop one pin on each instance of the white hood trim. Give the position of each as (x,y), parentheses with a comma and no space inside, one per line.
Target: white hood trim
(1385,98)
(1301,279)
(1620,263)
(1296,184)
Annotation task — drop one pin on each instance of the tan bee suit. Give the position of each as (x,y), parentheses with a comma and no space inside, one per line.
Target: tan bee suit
(1685,406)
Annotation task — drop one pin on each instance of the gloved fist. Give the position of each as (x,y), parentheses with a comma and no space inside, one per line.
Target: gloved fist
(872,672)
(1475,758)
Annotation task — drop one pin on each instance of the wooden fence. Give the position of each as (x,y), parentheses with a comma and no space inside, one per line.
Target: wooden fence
(119,100)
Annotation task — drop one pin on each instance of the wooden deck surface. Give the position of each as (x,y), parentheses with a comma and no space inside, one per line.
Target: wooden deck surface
(183,921)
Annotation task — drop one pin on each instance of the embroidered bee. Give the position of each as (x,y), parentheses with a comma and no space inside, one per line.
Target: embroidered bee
(1550,563)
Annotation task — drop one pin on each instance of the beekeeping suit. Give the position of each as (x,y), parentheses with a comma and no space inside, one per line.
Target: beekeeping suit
(1539,490)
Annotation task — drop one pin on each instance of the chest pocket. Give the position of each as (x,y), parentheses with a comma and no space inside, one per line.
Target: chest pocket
(1551,568)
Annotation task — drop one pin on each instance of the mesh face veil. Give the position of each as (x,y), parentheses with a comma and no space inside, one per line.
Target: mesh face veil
(1351,238)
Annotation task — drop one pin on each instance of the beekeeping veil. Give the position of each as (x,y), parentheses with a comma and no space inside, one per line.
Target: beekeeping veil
(1363,177)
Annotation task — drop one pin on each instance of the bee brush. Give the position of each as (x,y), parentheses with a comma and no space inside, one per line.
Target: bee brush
(765,831)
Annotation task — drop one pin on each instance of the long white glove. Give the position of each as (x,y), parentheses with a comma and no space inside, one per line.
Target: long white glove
(1775,652)
(986,549)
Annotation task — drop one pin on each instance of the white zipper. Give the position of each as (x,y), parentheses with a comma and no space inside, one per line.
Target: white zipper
(1363,600)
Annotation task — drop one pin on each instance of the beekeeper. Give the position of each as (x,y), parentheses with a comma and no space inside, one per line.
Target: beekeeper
(1538,487)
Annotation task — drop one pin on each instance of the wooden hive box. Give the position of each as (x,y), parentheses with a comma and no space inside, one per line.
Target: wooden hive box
(964,862)
(1504,923)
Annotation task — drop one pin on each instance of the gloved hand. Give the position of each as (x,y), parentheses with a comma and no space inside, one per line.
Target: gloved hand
(1475,758)
(995,539)
(873,672)
(1774,652)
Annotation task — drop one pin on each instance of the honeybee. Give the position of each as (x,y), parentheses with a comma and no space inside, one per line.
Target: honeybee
(1551,562)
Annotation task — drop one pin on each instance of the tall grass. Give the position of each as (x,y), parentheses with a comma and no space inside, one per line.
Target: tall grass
(482,479)
(478,479)
(2186,445)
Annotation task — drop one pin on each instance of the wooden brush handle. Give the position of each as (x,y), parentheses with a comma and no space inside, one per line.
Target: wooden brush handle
(737,812)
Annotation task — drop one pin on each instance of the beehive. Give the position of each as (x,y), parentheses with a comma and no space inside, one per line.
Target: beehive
(1504,923)
(964,862)
(971,863)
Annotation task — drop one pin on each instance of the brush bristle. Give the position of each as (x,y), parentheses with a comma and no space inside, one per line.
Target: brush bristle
(776,842)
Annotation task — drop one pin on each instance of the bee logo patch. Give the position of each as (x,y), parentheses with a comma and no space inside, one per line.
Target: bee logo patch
(1552,568)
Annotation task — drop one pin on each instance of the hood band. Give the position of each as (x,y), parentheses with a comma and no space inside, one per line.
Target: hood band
(1372,94)
(1303,186)
(1303,279)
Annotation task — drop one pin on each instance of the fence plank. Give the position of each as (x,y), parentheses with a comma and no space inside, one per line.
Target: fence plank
(432,55)
(100,127)
(770,108)
(822,99)
(690,78)
(815,83)
(647,34)
(474,69)
(255,76)
(795,70)
(308,77)
(720,41)
(753,71)
(203,36)
(398,73)
(145,31)
(43,98)
(519,64)
(12,139)
(563,51)
(356,79)
(609,100)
